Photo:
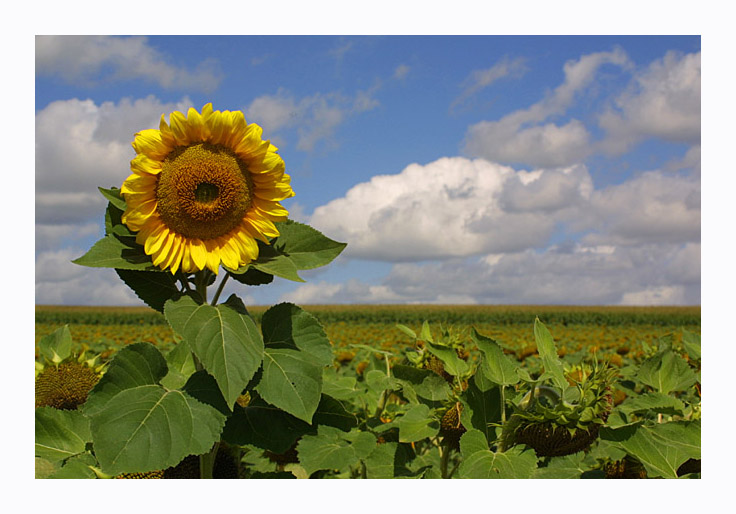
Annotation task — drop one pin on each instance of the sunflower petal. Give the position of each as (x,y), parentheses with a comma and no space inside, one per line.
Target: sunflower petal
(149,142)
(179,128)
(195,125)
(198,251)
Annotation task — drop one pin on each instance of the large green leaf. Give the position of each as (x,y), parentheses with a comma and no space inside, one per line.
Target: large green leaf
(661,448)
(112,252)
(224,338)
(307,247)
(496,366)
(151,287)
(291,381)
(272,262)
(333,449)
(655,402)
(480,462)
(181,366)
(548,353)
(147,428)
(425,383)
(134,365)
(453,364)
(416,424)
(56,346)
(288,326)
(667,372)
(381,462)
(691,343)
(270,428)
(569,466)
(60,434)
(79,466)
(481,409)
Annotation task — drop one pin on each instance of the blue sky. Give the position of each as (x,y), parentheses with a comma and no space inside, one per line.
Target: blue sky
(459,169)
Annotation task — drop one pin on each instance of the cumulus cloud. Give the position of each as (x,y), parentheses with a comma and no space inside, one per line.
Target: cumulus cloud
(481,79)
(316,117)
(452,207)
(90,60)
(59,281)
(569,274)
(525,136)
(653,207)
(663,101)
(81,145)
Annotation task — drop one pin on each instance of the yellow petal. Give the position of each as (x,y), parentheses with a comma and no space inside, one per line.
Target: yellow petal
(155,239)
(229,256)
(163,253)
(261,228)
(279,191)
(194,125)
(179,128)
(139,184)
(149,142)
(216,125)
(198,251)
(213,255)
(167,136)
(144,165)
(270,209)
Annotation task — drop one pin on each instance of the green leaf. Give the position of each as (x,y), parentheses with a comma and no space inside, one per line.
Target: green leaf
(655,402)
(306,247)
(148,428)
(152,287)
(264,426)
(288,326)
(453,364)
(661,448)
(569,466)
(548,353)
(252,277)
(291,381)
(496,366)
(203,387)
(60,433)
(406,330)
(114,196)
(333,449)
(667,372)
(425,383)
(416,424)
(134,365)
(381,462)
(480,462)
(481,409)
(340,387)
(111,252)
(181,366)
(272,262)
(691,343)
(56,346)
(79,466)
(224,338)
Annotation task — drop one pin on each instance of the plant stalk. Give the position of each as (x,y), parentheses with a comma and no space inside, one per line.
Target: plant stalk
(207,462)
(219,289)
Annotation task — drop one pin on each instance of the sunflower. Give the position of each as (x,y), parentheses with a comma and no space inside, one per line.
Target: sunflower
(204,189)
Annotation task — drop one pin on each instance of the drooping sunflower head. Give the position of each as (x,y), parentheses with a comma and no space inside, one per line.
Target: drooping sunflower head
(204,189)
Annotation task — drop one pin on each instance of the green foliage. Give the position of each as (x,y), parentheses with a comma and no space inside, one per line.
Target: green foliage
(224,338)
(270,387)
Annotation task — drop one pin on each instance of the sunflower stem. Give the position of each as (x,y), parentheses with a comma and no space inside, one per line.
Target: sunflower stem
(207,462)
(219,289)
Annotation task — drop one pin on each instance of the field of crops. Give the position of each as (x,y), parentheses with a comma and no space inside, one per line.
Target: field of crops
(602,329)
(407,392)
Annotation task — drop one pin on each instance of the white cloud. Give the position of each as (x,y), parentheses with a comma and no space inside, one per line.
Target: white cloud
(89,60)
(481,79)
(81,146)
(566,274)
(653,207)
(663,101)
(316,117)
(59,281)
(452,207)
(523,136)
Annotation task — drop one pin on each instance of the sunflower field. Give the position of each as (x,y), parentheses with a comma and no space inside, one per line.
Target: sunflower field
(396,403)
(194,386)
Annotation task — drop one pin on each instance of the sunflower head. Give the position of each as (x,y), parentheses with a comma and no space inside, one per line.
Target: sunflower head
(204,188)
(65,386)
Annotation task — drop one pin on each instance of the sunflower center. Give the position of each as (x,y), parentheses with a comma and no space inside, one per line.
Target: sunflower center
(203,190)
